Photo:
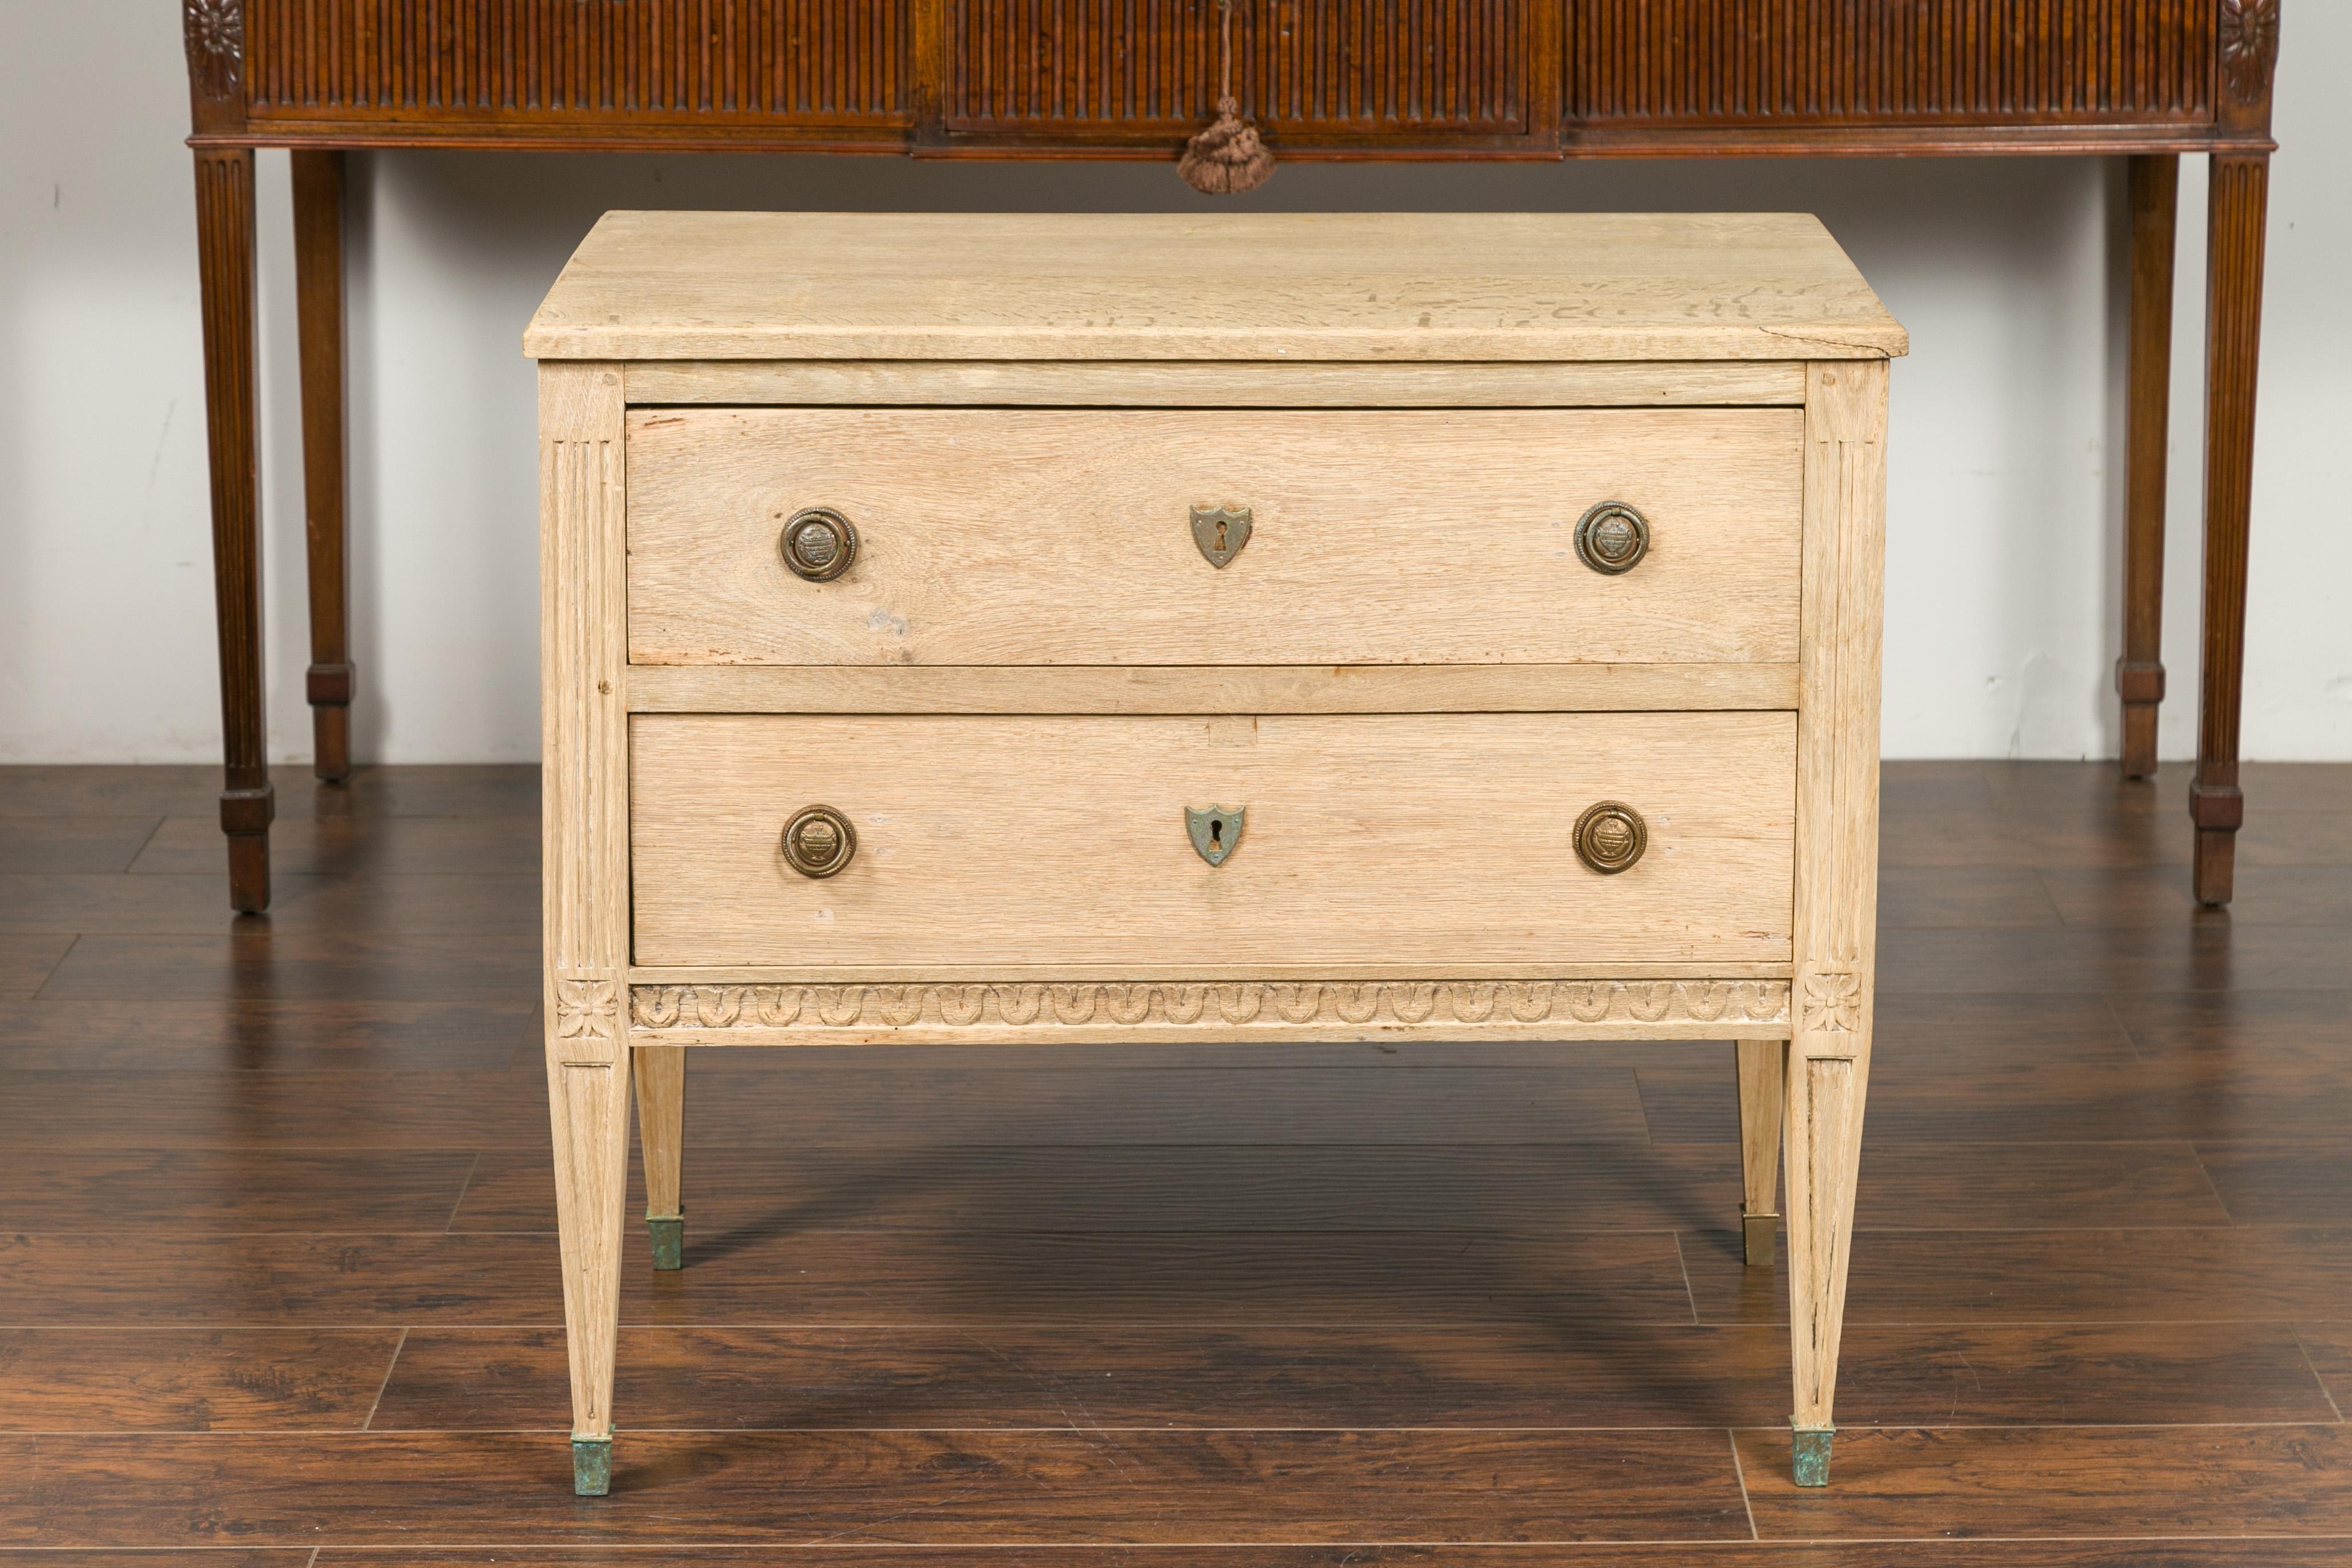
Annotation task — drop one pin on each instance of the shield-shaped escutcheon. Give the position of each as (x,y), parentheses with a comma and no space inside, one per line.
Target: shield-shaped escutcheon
(1220,532)
(1215,830)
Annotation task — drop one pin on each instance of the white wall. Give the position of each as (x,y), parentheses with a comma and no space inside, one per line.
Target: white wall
(2005,498)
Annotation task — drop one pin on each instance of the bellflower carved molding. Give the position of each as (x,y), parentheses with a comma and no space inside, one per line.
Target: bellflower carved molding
(1211,1005)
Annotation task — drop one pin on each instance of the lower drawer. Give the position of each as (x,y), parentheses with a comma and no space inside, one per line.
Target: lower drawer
(1444,841)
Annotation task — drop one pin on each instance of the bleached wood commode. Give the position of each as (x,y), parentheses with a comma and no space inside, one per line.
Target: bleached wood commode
(1277,629)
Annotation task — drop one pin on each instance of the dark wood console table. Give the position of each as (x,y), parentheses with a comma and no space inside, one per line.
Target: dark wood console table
(2148,80)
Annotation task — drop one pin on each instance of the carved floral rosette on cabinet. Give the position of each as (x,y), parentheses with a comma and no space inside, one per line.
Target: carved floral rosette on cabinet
(927,661)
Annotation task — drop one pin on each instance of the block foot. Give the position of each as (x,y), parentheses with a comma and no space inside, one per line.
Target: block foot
(1758,1232)
(591,1466)
(2214,876)
(1811,1464)
(667,1232)
(244,818)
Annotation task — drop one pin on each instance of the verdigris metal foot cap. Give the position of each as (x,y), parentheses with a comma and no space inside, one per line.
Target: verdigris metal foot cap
(591,1466)
(1812,1454)
(1758,1232)
(667,1232)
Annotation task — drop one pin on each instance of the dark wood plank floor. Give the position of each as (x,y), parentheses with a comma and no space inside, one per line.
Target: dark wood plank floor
(278,1284)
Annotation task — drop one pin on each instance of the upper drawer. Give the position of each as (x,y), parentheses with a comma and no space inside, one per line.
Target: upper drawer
(993,536)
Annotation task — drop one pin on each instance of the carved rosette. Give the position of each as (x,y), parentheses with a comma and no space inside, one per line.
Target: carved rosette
(2250,42)
(1471,1003)
(1833,1002)
(215,41)
(587,1007)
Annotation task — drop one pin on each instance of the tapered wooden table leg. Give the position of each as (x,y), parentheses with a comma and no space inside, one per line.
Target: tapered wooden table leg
(589,1105)
(1824,1135)
(2239,199)
(1832,989)
(2139,672)
(319,290)
(585,845)
(225,241)
(1763,1068)
(661,1124)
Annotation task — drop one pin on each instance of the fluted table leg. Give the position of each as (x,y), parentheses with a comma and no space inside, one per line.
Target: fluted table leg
(2241,190)
(225,241)
(2140,673)
(319,290)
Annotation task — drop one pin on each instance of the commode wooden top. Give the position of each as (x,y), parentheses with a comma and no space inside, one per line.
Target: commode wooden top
(1131,286)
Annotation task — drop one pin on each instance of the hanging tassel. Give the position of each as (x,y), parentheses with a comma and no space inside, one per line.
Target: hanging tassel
(1227,158)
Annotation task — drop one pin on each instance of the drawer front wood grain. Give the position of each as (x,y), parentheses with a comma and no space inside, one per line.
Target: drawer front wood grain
(1435,839)
(999,536)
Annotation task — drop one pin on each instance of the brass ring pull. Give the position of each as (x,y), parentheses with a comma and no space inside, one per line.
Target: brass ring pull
(1613,537)
(818,543)
(819,841)
(1610,836)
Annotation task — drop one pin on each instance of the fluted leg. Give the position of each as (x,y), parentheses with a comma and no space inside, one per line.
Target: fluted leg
(1833,987)
(225,241)
(2240,191)
(319,288)
(2140,673)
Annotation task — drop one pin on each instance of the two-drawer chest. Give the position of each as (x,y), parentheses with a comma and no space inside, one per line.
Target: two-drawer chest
(1023,628)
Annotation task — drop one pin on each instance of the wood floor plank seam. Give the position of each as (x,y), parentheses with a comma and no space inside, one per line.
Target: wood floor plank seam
(2122,1030)
(392,1364)
(73,940)
(457,1203)
(2317,1376)
(1683,1265)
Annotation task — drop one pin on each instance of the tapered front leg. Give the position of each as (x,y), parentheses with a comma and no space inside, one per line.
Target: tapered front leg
(589,1104)
(1825,1134)
(2140,673)
(584,825)
(661,1126)
(1763,1066)
(318,297)
(2240,205)
(1836,876)
(224,236)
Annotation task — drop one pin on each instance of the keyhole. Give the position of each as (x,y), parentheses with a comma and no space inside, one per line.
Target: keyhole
(1221,535)
(1216,835)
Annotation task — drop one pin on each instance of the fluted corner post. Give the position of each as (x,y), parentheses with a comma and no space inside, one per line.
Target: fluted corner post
(584,837)
(212,31)
(2239,206)
(225,241)
(1834,985)
(2140,673)
(319,303)
(2240,192)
